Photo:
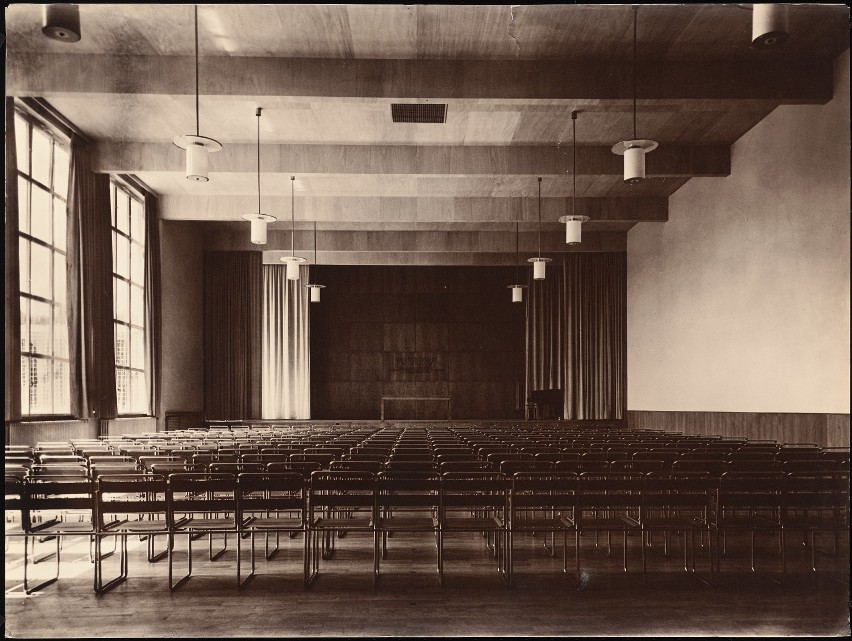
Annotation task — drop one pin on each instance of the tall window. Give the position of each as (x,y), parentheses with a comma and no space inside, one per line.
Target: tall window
(128,281)
(43,164)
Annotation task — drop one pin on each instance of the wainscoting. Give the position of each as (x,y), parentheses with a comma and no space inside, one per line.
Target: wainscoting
(826,430)
(31,432)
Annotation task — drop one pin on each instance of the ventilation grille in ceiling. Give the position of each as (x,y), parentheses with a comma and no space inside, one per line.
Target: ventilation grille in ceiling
(419,113)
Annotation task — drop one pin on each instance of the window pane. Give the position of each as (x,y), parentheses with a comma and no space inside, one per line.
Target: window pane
(122,345)
(40,327)
(25,325)
(41,387)
(122,385)
(61,162)
(24,263)
(137,267)
(23,205)
(61,388)
(139,393)
(137,306)
(122,300)
(122,211)
(59,287)
(22,144)
(40,214)
(60,332)
(40,276)
(41,157)
(122,256)
(137,221)
(60,217)
(25,385)
(137,348)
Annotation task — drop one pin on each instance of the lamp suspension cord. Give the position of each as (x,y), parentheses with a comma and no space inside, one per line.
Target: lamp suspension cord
(197,118)
(257,113)
(539,216)
(292,216)
(635,20)
(517,254)
(574,163)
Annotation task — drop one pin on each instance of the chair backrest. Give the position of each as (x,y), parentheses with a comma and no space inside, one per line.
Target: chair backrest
(678,491)
(305,468)
(463,491)
(609,491)
(543,490)
(464,466)
(113,468)
(373,467)
(750,490)
(714,467)
(265,458)
(348,490)
(818,491)
(749,465)
(201,492)
(401,490)
(55,495)
(511,467)
(323,459)
(271,492)
(59,470)
(236,468)
(129,494)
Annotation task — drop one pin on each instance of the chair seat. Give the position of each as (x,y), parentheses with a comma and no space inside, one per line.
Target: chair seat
(274,523)
(473,524)
(206,524)
(815,523)
(64,527)
(673,523)
(409,523)
(747,523)
(543,525)
(137,526)
(344,524)
(608,523)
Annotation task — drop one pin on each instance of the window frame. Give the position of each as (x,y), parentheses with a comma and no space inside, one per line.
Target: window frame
(57,305)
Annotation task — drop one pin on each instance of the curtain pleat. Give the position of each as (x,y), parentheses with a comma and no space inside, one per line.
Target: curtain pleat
(545,331)
(286,345)
(12,309)
(233,310)
(90,298)
(595,335)
(153,322)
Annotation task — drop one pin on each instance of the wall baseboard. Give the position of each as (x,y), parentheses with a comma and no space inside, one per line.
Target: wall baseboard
(826,430)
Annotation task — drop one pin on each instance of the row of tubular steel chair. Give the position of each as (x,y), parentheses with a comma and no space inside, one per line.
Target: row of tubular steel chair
(328,504)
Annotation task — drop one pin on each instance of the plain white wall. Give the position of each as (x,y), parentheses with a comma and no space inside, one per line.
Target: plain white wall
(740,302)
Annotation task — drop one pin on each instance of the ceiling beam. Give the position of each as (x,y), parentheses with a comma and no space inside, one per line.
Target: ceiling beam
(800,81)
(667,160)
(414,209)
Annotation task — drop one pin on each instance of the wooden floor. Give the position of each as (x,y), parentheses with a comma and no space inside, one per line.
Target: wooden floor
(409,602)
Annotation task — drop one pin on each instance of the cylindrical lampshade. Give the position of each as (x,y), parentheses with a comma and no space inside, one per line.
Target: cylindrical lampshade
(292,270)
(573,232)
(61,22)
(315,294)
(634,165)
(258,232)
(768,26)
(538,269)
(517,294)
(197,161)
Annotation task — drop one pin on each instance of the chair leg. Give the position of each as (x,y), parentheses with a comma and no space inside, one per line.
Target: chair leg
(172,585)
(54,579)
(100,586)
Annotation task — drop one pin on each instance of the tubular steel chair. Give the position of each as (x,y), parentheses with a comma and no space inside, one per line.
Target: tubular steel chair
(197,504)
(339,502)
(476,502)
(55,509)
(607,502)
(814,502)
(747,502)
(270,503)
(542,502)
(408,502)
(374,467)
(678,502)
(140,495)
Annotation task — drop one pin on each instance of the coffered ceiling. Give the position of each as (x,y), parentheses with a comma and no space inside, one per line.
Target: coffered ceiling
(379,191)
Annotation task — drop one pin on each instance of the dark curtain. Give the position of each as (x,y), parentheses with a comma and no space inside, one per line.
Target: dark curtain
(12,345)
(91,338)
(545,332)
(233,315)
(595,335)
(153,319)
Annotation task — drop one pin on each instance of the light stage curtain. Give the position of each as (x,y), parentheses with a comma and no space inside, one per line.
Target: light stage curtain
(233,307)
(12,312)
(595,335)
(545,332)
(153,319)
(90,301)
(286,345)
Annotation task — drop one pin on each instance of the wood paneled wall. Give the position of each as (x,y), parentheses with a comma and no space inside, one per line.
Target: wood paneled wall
(826,430)
(416,331)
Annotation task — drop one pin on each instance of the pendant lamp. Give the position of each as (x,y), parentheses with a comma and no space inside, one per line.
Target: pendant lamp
(197,147)
(518,288)
(61,22)
(258,220)
(634,150)
(292,260)
(574,223)
(768,26)
(538,262)
(315,288)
